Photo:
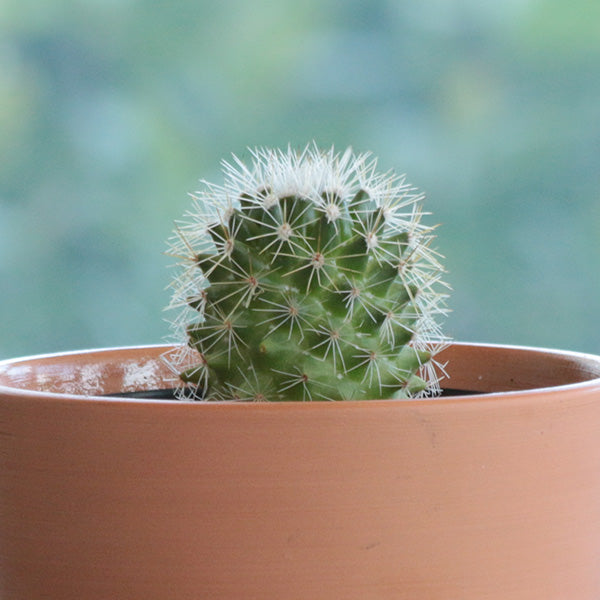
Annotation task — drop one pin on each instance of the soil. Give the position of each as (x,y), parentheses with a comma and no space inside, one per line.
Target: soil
(169,394)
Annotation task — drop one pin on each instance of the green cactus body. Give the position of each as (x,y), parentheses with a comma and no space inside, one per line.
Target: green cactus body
(307,276)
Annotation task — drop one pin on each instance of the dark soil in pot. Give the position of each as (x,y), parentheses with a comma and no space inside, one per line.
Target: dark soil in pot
(169,394)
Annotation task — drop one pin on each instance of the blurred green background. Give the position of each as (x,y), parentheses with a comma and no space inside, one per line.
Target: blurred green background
(110,111)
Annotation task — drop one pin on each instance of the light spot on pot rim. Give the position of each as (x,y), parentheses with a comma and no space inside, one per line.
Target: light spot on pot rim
(144,375)
(85,380)
(91,379)
(16,373)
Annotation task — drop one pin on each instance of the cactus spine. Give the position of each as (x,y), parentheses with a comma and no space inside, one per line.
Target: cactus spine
(306,276)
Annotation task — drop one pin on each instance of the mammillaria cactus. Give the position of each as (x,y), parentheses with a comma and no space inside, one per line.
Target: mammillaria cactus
(306,276)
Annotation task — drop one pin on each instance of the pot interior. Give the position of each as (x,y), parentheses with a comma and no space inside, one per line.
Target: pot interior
(91,373)
(474,367)
(489,368)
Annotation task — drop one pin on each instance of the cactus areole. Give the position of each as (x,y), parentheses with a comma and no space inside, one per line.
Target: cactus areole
(306,276)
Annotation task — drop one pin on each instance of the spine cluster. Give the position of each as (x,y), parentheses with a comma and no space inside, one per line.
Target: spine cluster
(306,276)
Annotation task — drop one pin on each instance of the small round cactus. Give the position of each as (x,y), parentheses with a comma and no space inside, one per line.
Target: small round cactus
(306,276)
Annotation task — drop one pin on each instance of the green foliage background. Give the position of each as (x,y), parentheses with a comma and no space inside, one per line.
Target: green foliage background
(111,110)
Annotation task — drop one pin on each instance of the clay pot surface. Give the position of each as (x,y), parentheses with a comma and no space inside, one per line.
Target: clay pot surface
(484,497)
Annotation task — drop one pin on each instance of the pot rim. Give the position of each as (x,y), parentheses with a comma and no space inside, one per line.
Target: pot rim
(588,364)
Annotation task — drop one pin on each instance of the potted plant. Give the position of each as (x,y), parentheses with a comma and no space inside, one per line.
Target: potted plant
(306,277)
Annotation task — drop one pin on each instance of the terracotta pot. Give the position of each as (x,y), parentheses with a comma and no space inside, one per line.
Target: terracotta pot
(463,498)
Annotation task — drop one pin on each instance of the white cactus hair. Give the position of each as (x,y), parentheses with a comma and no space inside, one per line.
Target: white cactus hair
(329,180)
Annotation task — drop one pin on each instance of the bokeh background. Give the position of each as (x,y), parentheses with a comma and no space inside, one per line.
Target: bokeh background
(111,110)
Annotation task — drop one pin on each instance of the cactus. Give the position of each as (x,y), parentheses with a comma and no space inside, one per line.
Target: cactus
(306,276)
